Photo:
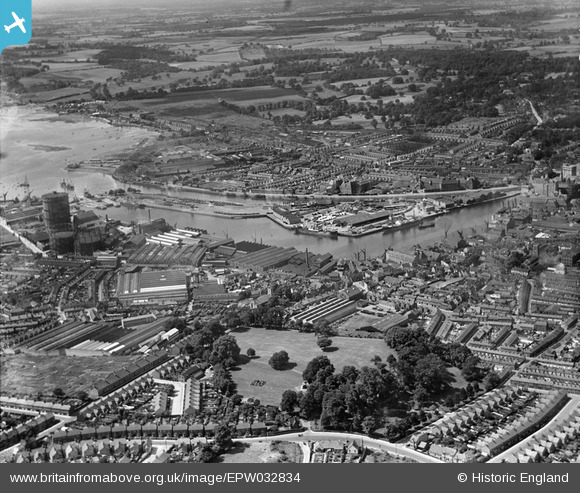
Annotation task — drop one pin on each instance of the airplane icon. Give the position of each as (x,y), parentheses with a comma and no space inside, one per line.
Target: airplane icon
(17,23)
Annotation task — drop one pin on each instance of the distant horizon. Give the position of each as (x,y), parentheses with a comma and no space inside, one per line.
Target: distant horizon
(52,4)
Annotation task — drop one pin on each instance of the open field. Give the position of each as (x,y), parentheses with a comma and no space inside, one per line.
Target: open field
(94,73)
(286,111)
(251,94)
(56,67)
(302,349)
(57,94)
(70,56)
(206,104)
(263,452)
(25,375)
(225,56)
(408,39)
(557,24)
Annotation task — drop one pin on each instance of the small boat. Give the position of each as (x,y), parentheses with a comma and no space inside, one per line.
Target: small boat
(425,226)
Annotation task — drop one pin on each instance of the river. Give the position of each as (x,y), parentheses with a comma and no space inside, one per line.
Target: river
(36,144)
(266,231)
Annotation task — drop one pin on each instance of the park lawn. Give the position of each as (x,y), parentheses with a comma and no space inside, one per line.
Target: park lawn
(458,381)
(301,348)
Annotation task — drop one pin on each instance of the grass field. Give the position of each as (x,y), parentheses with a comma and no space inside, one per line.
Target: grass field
(71,56)
(408,39)
(205,103)
(263,452)
(302,349)
(45,96)
(28,375)
(259,93)
(221,57)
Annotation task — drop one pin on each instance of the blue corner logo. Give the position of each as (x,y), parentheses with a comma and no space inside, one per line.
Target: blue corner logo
(15,22)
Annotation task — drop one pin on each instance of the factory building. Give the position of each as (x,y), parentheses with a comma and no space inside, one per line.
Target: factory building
(162,287)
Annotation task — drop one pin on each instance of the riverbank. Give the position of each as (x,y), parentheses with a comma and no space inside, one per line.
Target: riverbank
(268,197)
(264,230)
(201,209)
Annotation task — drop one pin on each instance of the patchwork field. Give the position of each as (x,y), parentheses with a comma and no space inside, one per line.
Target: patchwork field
(206,103)
(301,349)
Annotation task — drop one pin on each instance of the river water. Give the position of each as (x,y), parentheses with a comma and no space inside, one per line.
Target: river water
(36,145)
(266,231)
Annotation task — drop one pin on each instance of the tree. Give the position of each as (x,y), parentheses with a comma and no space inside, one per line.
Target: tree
(491,380)
(274,317)
(334,410)
(372,386)
(310,405)
(323,329)
(81,395)
(470,369)
(369,423)
(431,373)
(324,342)
(223,437)
(222,380)
(289,401)
(58,393)
(206,454)
(233,320)
(216,328)
(314,366)
(251,352)
(176,323)
(279,360)
(225,350)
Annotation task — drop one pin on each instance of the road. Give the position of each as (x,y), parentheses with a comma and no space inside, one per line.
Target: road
(313,436)
(304,439)
(536,115)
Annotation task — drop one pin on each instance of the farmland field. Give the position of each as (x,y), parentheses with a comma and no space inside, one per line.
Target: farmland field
(286,111)
(45,96)
(302,349)
(206,104)
(408,39)
(221,57)
(259,93)
(96,73)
